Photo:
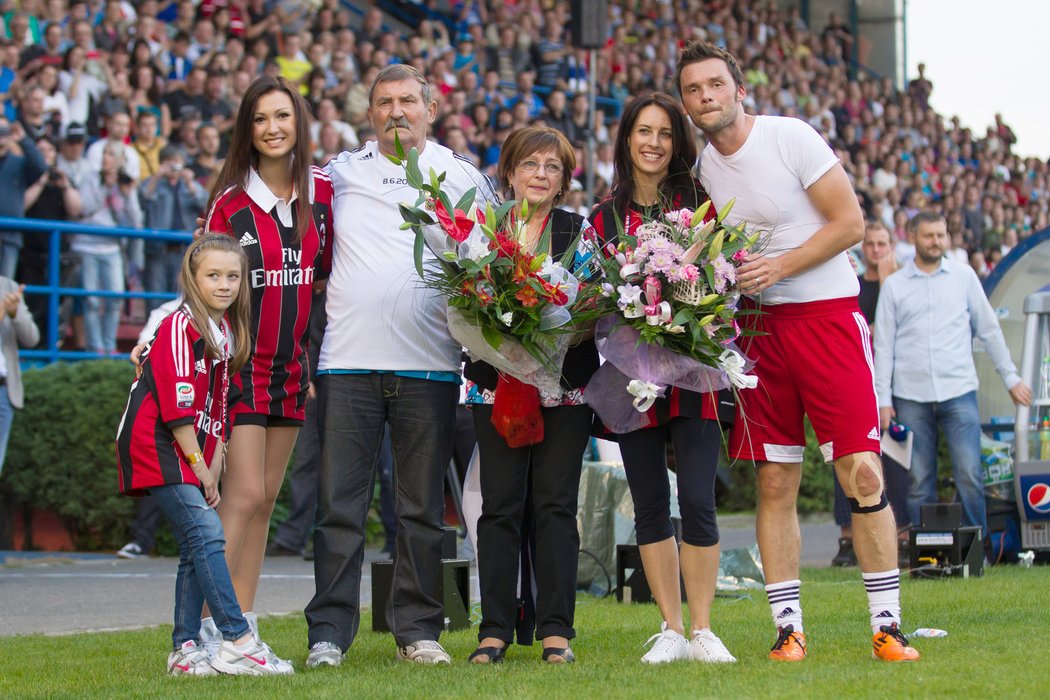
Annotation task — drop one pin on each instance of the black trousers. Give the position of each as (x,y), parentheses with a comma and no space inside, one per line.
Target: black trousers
(549,470)
(644,452)
(420,415)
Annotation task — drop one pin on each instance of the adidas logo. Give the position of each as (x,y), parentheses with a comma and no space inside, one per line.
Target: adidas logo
(367,156)
(201,366)
(873,434)
(885,613)
(248,239)
(786,612)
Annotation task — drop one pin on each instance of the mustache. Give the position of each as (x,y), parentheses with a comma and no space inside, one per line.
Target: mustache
(394,123)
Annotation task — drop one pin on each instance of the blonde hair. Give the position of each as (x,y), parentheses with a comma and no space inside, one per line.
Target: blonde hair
(238,313)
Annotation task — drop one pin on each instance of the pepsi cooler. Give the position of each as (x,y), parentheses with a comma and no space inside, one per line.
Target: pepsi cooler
(1032,442)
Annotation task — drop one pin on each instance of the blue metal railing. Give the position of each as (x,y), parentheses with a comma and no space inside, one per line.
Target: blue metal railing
(55,291)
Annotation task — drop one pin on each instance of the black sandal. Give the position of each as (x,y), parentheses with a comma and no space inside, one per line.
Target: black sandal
(488,655)
(558,655)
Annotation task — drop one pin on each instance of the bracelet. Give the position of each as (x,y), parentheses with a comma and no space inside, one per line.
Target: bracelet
(195,457)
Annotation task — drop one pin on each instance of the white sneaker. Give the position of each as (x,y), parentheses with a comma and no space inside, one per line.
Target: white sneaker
(210,636)
(283,665)
(425,651)
(253,659)
(668,646)
(706,647)
(132,550)
(324,654)
(189,660)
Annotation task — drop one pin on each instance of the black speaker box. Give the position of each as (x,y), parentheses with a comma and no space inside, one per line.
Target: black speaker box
(588,23)
(454,593)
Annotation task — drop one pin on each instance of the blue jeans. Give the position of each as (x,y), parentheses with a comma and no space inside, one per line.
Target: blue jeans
(421,417)
(959,420)
(105,272)
(203,574)
(7,415)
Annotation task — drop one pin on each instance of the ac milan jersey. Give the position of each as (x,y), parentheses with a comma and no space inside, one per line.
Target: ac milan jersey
(678,402)
(179,385)
(281,273)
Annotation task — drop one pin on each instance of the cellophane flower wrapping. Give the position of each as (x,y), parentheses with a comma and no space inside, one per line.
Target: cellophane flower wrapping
(670,292)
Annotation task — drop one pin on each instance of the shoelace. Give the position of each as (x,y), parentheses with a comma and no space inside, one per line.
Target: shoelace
(895,632)
(667,638)
(787,632)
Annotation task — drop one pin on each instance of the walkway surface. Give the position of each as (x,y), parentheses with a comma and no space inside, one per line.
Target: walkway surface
(64,593)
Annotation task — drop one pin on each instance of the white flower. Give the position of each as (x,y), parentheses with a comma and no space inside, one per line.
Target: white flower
(507,318)
(607,289)
(630,295)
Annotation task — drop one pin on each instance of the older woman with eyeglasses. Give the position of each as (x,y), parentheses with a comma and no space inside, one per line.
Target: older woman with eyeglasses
(529,493)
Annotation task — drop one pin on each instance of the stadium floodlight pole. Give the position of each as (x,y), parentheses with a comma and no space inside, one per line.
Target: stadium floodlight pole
(592,91)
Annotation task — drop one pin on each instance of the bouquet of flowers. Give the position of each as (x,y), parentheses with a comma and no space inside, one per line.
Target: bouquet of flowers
(509,306)
(671,291)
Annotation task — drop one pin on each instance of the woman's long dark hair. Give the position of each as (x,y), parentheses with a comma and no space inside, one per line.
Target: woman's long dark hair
(683,152)
(242,154)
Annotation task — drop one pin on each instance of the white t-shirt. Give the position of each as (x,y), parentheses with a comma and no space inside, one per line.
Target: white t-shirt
(781,158)
(380,316)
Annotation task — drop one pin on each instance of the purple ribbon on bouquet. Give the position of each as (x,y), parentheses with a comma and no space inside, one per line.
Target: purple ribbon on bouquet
(625,385)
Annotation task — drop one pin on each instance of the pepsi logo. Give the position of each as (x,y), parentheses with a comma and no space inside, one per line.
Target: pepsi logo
(1038,497)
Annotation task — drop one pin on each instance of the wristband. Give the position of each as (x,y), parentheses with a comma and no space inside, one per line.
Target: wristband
(195,457)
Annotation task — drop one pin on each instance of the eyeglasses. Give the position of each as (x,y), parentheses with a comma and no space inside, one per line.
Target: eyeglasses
(531,166)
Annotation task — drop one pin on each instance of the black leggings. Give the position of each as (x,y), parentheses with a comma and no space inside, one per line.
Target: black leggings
(696,447)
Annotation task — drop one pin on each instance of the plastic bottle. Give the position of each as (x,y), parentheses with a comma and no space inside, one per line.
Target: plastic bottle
(1044,439)
(928,633)
(1044,379)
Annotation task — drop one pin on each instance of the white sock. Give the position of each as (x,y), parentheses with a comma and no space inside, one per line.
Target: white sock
(253,623)
(209,630)
(785,604)
(884,597)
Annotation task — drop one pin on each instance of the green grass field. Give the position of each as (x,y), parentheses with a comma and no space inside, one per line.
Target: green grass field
(997,646)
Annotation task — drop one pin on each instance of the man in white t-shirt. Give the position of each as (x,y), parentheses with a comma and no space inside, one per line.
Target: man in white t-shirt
(387,358)
(813,352)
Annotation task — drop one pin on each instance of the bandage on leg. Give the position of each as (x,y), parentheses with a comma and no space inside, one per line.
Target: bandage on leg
(871,502)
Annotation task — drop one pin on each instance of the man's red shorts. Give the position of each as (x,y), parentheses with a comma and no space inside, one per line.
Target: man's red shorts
(815,360)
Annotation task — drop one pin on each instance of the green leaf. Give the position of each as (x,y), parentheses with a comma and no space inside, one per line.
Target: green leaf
(398,148)
(682,317)
(417,253)
(491,336)
(412,173)
(466,202)
(393,159)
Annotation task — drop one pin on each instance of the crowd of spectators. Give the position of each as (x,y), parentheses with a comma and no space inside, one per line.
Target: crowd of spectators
(138,100)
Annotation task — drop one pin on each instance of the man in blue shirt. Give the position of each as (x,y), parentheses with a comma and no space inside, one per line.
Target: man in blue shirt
(20,166)
(927,317)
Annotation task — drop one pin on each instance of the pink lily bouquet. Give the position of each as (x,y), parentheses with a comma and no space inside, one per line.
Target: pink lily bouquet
(670,291)
(511,307)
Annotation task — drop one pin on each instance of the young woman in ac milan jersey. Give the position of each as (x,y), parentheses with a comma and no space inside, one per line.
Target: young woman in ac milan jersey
(170,444)
(654,155)
(279,209)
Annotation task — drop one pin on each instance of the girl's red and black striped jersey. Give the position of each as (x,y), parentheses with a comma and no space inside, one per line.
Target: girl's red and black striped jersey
(179,385)
(281,273)
(609,224)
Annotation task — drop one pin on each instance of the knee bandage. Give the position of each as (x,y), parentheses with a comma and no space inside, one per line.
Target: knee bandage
(875,501)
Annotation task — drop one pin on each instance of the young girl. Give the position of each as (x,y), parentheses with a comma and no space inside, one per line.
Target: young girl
(171,444)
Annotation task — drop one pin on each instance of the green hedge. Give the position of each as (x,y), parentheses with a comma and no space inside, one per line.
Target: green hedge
(62,456)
